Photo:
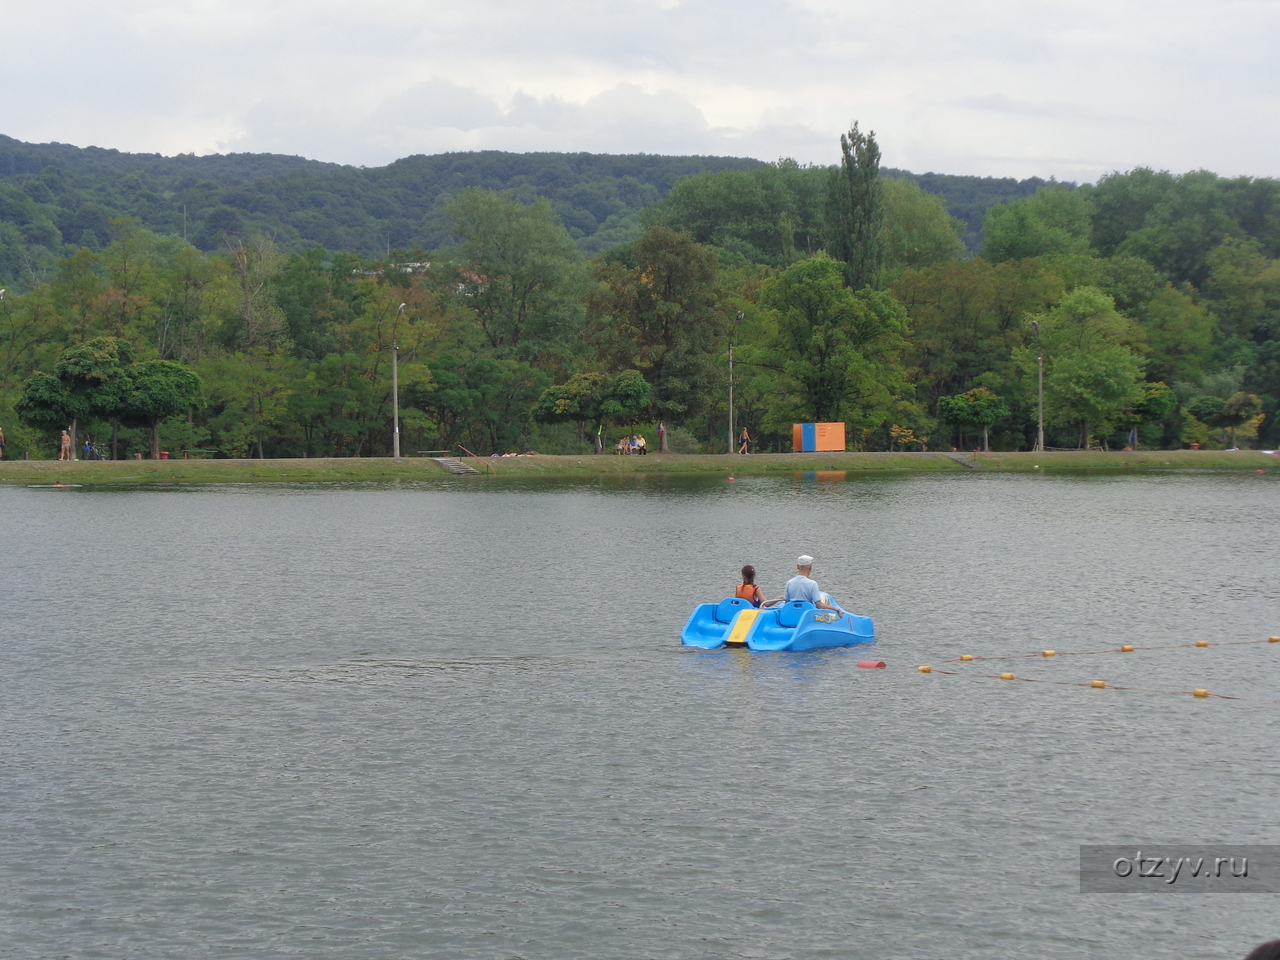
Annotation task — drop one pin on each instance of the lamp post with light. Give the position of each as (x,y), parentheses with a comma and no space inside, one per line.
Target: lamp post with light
(395,386)
(733,331)
(1035,325)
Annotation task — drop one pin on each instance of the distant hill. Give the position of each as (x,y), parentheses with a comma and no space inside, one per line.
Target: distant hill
(55,197)
(304,202)
(17,158)
(969,198)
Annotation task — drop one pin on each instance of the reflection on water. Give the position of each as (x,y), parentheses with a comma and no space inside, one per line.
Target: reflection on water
(416,720)
(823,476)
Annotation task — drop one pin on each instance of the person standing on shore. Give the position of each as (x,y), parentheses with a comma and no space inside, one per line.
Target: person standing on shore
(64,453)
(1,443)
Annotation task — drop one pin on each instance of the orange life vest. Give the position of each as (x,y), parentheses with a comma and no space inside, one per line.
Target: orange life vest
(748,591)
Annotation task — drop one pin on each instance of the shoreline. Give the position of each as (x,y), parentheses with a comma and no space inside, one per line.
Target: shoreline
(585,466)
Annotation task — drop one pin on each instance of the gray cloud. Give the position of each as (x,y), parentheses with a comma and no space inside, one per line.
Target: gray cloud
(1071,88)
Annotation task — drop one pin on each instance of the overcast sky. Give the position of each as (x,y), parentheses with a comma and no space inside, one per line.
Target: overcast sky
(993,87)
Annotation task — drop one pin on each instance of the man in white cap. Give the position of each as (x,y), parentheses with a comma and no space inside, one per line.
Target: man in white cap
(801,587)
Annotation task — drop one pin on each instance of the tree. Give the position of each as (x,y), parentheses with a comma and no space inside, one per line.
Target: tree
(838,351)
(159,389)
(101,372)
(251,392)
(260,321)
(78,290)
(1180,232)
(1121,203)
(505,393)
(967,318)
(979,407)
(1178,336)
(195,293)
(597,398)
(1092,388)
(90,379)
(1092,375)
(1245,287)
(771,214)
(656,311)
(514,266)
(1239,408)
(1158,403)
(47,404)
(1131,282)
(855,213)
(1055,220)
(918,231)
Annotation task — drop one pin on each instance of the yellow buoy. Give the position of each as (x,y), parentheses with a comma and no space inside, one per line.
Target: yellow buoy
(1050,653)
(1127,648)
(1098,684)
(925,669)
(1199,692)
(1007,676)
(1202,643)
(965,656)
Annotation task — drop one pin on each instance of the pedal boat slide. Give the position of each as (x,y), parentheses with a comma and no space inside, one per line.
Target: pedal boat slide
(797,625)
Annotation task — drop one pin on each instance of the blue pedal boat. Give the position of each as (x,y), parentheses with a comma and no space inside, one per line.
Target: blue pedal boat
(797,625)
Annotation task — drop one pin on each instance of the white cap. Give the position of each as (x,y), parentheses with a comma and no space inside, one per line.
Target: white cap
(804,560)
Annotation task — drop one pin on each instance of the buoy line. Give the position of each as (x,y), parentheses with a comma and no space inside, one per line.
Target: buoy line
(1125,648)
(1198,692)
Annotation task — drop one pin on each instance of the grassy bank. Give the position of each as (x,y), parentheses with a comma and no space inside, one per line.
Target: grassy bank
(385,469)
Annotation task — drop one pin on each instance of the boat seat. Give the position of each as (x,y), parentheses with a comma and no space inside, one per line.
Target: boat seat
(789,614)
(729,607)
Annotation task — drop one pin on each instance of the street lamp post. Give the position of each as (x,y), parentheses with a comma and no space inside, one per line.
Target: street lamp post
(395,387)
(738,318)
(1035,325)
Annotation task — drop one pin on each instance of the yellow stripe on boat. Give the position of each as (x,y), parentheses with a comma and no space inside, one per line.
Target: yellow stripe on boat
(742,626)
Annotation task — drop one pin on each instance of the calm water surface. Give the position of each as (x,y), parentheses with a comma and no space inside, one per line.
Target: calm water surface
(455,720)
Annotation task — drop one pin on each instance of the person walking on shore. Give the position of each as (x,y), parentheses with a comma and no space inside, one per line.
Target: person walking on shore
(744,441)
(64,453)
(1,443)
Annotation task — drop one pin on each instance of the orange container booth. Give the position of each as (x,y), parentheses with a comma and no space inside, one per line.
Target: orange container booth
(814,437)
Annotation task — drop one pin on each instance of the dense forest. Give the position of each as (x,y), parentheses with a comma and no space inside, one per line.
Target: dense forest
(252,305)
(56,198)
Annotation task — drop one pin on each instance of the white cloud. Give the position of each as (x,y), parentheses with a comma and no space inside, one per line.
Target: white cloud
(1045,87)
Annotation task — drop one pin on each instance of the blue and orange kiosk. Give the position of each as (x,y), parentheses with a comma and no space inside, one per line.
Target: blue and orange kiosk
(814,437)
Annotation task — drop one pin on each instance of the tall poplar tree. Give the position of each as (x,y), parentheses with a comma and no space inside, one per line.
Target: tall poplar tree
(855,213)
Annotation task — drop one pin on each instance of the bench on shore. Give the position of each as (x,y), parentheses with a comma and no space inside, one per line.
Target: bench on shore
(432,453)
(193,454)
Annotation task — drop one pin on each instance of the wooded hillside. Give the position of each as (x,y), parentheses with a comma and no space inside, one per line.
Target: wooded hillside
(55,198)
(593,296)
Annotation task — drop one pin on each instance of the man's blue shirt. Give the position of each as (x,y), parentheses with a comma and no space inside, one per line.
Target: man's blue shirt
(801,587)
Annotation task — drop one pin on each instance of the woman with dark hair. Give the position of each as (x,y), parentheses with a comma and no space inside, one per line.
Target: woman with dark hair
(747,589)
(1267,951)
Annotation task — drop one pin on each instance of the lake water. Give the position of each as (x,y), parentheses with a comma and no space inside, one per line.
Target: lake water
(455,720)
